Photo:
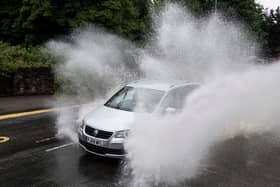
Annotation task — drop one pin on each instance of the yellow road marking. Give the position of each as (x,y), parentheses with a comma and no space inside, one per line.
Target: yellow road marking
(21,114)
(4,139)
(34,112)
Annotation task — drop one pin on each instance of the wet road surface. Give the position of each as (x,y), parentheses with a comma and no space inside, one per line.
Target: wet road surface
(34,157)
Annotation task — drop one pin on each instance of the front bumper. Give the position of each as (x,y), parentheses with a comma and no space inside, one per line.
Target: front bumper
(111,148)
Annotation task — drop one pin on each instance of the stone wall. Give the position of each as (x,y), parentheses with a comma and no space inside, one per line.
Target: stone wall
(28,81)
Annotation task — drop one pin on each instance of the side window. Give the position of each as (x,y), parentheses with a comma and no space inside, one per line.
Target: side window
(176,97)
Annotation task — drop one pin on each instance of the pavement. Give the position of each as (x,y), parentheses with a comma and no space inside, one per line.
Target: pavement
(25,103)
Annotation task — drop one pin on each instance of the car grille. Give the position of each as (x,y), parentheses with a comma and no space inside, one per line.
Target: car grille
(98,133)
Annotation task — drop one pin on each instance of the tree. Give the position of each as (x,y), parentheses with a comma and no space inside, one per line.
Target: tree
(272,27)
(9,11)
(33,22)
(125,17)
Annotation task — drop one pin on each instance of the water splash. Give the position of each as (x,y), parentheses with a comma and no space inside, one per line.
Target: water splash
(237,97)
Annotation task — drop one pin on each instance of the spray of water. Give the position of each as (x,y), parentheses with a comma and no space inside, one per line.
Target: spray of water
(92,64)
(236,96)
(173,149)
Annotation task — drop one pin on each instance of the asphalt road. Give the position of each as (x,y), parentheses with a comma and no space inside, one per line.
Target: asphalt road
(34,157)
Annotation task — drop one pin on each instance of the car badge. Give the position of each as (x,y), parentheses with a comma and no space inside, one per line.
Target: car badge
(95,132)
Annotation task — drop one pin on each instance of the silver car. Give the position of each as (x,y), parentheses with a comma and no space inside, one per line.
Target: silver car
(103,131)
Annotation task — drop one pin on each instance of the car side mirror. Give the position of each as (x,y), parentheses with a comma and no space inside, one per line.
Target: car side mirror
(170,110)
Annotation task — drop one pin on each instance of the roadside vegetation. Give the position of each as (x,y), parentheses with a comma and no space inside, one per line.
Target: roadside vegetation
(14,57)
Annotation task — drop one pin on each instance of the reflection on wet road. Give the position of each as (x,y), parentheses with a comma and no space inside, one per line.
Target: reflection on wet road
(34,157)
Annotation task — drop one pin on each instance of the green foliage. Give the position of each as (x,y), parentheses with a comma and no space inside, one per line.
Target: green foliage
(125,17)
(33,22)
(9,12)
(36,21)
(273,28)
(14,57)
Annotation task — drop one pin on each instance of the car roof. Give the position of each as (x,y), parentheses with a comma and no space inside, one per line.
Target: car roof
(160,85)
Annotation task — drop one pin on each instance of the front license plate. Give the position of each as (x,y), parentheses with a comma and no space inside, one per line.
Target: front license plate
(94,141)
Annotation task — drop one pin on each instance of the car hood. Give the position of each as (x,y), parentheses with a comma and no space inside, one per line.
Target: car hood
(110,119)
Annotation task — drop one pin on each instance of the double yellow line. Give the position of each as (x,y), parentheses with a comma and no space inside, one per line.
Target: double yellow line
(34,112)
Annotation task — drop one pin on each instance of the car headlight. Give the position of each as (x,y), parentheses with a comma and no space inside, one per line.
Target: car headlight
(121,134)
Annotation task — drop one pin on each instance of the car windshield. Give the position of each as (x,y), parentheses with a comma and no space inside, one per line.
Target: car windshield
(135,99)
